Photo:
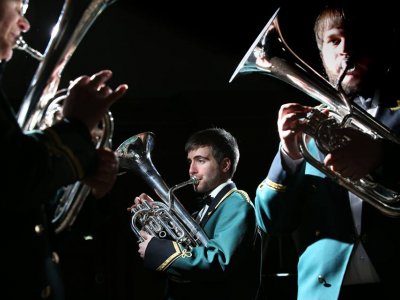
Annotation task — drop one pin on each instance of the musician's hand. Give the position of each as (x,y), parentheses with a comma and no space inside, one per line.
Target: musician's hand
(290,125)
(143,245)
(359,157)
(89,98)
(141,199)
(106,174)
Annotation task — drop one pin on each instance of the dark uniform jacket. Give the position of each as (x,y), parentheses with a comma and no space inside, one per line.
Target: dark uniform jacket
(34,166)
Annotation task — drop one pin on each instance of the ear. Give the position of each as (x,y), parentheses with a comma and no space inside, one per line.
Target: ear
(226,165)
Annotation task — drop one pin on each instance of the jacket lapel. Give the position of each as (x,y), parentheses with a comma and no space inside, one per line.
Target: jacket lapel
(215,202)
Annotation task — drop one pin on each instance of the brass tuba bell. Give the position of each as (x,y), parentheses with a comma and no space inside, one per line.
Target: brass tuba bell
(166,219)
(270,55)
(42,104)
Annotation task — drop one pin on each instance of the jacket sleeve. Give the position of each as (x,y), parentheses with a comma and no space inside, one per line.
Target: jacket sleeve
(43,161)
(277,200)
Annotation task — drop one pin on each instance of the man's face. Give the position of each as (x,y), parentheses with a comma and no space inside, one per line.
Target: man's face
(12,24)
(338,47)
(203,165)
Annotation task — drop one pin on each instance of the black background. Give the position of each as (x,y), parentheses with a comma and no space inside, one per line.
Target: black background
(177,60)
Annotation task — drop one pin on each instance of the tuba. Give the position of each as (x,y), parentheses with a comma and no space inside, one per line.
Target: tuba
(42,104)
(270,55)
(166,219)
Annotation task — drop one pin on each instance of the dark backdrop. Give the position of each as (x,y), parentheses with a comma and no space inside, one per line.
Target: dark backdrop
(177,60)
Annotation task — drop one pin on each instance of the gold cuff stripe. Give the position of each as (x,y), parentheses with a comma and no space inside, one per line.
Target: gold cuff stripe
(275,186)
(170,259)
(396,107)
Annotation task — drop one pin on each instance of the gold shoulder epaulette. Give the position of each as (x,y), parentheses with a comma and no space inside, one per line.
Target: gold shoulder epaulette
(244,194)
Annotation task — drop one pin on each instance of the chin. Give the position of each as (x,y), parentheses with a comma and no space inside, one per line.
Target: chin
(6,49)
(351,84)
(6,55)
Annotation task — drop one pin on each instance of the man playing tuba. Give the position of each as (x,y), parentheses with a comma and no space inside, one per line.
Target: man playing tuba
(35,164)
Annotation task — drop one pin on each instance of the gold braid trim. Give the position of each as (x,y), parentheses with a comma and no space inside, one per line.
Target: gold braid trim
(396,107)
(243,193)
(61,149)
(170,259)
(223,198)
(273,185)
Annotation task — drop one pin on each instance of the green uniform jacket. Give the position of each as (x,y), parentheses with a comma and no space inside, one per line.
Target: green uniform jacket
(317,211)
(229,268)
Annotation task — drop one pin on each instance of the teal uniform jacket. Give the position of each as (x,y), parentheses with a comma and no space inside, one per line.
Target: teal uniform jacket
(317,211)
(229,268)
(34,167)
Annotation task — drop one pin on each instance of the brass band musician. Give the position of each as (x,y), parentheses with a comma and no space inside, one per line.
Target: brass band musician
(347,248)
(228,267)
(35,164)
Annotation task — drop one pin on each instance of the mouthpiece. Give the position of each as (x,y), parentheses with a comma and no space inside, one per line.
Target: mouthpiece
(345,66)
(22,45)
(194,180)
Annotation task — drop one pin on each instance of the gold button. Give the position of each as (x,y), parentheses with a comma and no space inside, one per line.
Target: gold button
(55,258)
(39,229)
(46,292)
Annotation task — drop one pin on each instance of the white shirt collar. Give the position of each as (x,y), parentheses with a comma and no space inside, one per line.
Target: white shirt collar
(215,191)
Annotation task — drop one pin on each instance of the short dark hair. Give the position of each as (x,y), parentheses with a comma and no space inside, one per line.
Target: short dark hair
(362,24)
(329,17)
(223,144)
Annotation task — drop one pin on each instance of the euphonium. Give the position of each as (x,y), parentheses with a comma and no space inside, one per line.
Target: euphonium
(166,219)
(42,104)
(270,55)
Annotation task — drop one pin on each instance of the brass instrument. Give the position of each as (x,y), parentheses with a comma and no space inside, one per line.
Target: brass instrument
(42,104)
(166,219)
(270,55)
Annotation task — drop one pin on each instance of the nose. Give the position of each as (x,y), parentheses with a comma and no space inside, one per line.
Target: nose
(24,24)
(344,47)
(192,169)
